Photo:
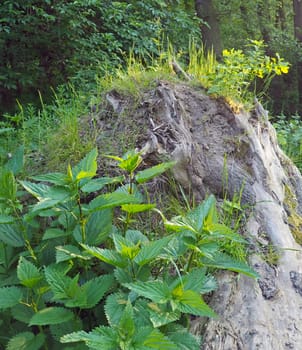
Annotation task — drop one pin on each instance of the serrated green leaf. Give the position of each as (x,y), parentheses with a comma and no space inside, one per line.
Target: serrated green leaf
(135,237)
(97,184)
(54,178)
(151,250)
(58,330)
(126,248)
(126,323)
(157,291)
(51,315)
(199,282)
(220,231)
(184,340)
(63,287)
(98,226)
(37,190)
(26,341)
(198,215)
(87,167)
(223,261)
(130,161)
(160,315)
(191,302)
(109,256)
(133,190)
(156,340)
(11,235)
(55,233)
(22,313)
(95,289)
(10,296)
(104,338)
(114,307)
(68,252)
(28,274)
(150,173)
(137,208)
(111,200)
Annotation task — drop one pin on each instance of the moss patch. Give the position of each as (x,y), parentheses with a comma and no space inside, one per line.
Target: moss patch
(294,219)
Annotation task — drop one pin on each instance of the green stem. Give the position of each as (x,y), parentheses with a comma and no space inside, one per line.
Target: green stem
(82,220)
(187,269)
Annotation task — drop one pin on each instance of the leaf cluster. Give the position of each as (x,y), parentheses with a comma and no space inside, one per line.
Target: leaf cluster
(73,271)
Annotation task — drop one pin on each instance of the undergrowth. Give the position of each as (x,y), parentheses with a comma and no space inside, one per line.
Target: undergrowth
(73,270)
(289,132)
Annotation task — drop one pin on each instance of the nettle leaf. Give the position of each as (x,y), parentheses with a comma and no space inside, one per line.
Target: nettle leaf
(54,178)
(62,286)
(68,252)
(151,250)
(58,330)
(137,208)
(10,296)
(220,231)
(87,167)
(130,161)
(95,289)
(55,233)
(109,256)
(126,323)
(22,313)
(97,184)
(28,274)
(148,174)
(135,237)
(114,307)
(11,235)
(111,200)
(104,338)
(126,248)
(198,215)
(157,291)
(131,189)
(51,315)
(157,340)
(26,341)
(191,302)
(98,226)
(198,281)
(184,340)
(226,262)
(161,315)
(37,190)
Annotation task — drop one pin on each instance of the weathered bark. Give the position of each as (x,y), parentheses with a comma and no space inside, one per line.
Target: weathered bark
(210,30)
(206,138)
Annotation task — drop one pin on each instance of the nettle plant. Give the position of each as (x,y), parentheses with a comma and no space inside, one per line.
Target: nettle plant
(73,271)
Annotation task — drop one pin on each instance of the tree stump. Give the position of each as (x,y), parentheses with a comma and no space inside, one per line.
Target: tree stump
(207,138)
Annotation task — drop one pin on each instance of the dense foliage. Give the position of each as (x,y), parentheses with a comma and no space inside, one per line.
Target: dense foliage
(47,43)
(72,269)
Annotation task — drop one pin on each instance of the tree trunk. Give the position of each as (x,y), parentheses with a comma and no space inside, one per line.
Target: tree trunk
(207,139)
(209,27)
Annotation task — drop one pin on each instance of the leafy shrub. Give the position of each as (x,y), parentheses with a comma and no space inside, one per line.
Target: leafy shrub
(237,72)
(73,270)
(289,132)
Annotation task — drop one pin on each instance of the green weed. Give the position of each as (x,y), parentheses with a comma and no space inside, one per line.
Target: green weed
(73,270)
